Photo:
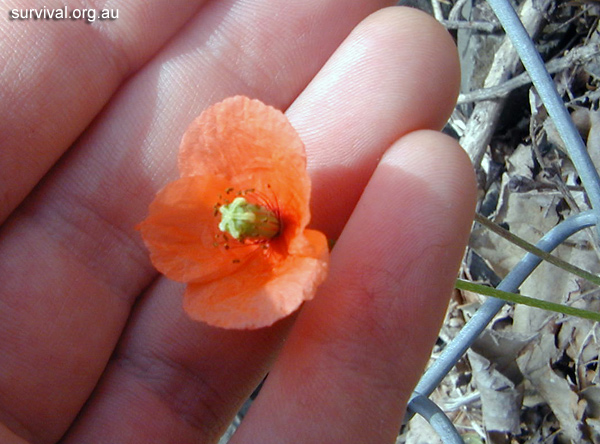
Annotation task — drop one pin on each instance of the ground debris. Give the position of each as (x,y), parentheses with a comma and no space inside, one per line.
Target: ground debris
(532,377)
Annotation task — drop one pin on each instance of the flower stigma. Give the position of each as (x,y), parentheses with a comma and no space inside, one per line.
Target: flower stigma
(242,219)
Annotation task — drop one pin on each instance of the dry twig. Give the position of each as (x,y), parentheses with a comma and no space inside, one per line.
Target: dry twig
(475,26)
(484,118)
(574,57)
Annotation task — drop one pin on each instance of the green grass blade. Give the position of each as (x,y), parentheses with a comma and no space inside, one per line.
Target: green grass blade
(526,300)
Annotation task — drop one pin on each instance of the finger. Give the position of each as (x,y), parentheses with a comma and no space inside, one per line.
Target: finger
(416,89)
(184,384)
(356,351)
(173,380)
(57,75)
(72,263)
(8,437)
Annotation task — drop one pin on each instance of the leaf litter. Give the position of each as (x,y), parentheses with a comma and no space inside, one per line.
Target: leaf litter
(532,376)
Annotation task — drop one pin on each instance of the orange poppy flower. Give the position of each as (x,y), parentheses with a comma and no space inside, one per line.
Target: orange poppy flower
(233,226)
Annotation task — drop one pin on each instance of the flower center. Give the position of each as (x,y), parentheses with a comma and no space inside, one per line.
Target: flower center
(242,220)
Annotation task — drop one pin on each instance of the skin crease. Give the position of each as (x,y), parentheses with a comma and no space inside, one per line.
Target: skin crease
(95,345)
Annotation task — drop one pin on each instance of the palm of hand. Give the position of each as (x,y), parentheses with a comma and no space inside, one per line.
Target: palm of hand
(95,346)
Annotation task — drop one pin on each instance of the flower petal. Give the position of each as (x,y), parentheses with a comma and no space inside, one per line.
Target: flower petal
(254,146)
(239,147)
(259,294)
(181,228)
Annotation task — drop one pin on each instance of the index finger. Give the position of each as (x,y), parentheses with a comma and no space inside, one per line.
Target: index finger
(356,351)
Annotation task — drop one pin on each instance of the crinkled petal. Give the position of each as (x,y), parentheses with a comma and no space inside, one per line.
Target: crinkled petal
(238,147)
(254,146)
(259,294)
(181,232)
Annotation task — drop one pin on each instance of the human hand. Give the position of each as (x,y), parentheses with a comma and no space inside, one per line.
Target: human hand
(95,345)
